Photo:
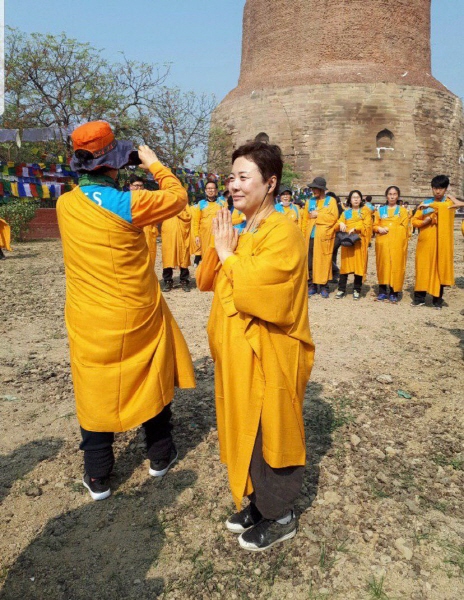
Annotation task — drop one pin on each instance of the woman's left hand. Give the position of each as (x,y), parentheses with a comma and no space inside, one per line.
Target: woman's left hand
(351,231)
(225,235)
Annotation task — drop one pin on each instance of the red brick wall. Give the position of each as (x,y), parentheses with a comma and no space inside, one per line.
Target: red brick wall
(44,225)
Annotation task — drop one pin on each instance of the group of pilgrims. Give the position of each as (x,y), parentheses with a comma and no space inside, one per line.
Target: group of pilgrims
(128,354)
(327,225)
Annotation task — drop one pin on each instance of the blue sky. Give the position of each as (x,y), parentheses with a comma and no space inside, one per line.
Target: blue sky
(201,38)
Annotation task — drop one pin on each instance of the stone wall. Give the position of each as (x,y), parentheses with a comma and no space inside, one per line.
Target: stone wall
(332,130)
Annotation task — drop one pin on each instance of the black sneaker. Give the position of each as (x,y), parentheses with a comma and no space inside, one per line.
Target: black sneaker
(267,533)
(99,488)
(158,468)
(168,285)
(418,302)
(243,520)
(185,285)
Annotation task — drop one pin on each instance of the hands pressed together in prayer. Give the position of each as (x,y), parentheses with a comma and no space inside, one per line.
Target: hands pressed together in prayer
(225,235)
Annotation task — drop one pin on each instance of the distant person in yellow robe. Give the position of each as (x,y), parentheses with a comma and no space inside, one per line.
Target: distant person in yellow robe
(203,216)
(409,210)
(127,352)
(286,205)
(434,219)
(391,245)
(238,218)
(262,348)
(356,219)
(319,219)
(151,231)
(5,238)
(175,249)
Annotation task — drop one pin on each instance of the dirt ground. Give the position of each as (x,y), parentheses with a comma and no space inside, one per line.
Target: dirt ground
(381,512)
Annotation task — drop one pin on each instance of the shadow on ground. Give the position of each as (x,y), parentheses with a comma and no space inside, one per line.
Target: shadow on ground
(102,549)
(19,463)
(319,421)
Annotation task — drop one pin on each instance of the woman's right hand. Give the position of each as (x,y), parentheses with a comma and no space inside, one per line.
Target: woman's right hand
(342,227)
(382,230)
(147,156)
(225,235)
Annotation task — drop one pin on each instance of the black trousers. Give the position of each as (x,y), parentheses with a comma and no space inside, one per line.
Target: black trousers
(335,268)
(386,289)
(275,490)
(358,280)
(184,274)
(98,446)
(437,300)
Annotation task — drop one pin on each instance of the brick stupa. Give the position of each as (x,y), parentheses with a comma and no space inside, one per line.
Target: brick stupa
(345,88)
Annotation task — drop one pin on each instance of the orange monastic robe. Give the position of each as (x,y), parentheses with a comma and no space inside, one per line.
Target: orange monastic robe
(324,238)
(151,233)
(127,352)
(237,217)
(435,248)
(203,216)
(5,235)
(354,258)
(262,348)
(175,240)
(391,248)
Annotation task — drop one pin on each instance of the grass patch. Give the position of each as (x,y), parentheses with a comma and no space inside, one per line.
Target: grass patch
(375,589)
(457,462)
(377,491)
(456,557)
(328,554)
(329,418)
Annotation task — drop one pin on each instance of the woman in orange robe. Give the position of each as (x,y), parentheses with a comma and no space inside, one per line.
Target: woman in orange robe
(262,348)
(175,248)
(355,219)
(391,245)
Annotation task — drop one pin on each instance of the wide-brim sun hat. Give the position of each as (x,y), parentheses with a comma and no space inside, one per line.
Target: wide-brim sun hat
(319,183)
(101,148)
(284,189)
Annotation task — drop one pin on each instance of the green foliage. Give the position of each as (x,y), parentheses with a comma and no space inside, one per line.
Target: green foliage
(18,214)
(289,176)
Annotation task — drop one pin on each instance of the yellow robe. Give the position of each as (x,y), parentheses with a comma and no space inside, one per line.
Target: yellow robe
(203,222)
(127,352)
(391,249)
(175,240)
(354,258)
(435,248)
(324,239)
(5,235)
(291,213)
(151,233)
(237,217)
(262,348)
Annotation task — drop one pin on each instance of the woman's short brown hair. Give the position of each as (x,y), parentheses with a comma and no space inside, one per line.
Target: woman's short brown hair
(267,157)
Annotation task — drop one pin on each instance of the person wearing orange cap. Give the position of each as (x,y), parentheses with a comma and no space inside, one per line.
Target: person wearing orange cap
(127,352)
